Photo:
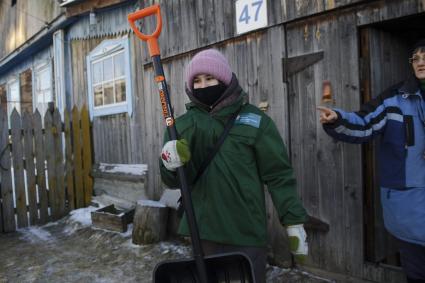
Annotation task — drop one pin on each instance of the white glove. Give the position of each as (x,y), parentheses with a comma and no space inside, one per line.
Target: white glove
(298,242)
(175,154)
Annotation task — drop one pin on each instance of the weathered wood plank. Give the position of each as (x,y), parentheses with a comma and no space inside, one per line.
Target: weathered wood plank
(30,167)
(18,169)
(59,163)
(1,215)
(40,156)
(25,84)
(78,171)
(69,176)
(351,203)
(49,139)
(87,155)
(8,211)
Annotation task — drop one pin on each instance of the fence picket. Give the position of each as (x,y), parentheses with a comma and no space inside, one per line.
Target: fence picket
(49,132)
(41,168)
(69,176)
(29,167)
(1,169)
(79,189)
(28,196)
(1,214)
(8,211)
(18,169)
(87,155)
(59,163)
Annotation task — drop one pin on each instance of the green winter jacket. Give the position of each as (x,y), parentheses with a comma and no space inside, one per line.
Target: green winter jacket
(228,198)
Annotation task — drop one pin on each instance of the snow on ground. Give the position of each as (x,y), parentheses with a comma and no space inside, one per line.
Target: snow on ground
(70,250)
(35,234)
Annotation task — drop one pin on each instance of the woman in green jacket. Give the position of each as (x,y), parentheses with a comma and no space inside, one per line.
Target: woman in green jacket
(228,198)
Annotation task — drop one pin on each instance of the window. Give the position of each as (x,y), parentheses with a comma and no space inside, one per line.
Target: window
(59,69)
(109,78)
(13,97)
(43,88)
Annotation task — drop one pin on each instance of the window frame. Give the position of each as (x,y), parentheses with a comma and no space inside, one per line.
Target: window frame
(36,72)
(109,48)
(10,101)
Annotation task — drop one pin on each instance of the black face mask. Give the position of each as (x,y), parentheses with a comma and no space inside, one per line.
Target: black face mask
(209,95)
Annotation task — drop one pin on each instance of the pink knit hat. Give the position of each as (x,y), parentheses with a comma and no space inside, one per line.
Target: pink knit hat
(210,62)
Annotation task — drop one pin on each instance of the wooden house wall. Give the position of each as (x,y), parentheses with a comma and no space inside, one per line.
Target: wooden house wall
(207,22)
(112,138)
(329,173)
(23,20)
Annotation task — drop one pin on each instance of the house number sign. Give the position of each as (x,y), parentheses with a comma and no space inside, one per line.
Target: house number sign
(250,15)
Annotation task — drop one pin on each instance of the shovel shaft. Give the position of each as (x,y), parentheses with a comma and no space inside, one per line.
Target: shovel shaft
(168,116)
(167,112)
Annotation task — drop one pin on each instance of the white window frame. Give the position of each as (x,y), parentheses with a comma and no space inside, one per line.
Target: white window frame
(59,69)
(105,49)
(16,102)
(47,66)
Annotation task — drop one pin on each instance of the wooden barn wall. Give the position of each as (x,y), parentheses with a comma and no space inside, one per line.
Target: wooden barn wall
(330,186)
(202,23)
(329,173)
(23,20)
(302,8)
(190,24)
(385,10)
(259,80)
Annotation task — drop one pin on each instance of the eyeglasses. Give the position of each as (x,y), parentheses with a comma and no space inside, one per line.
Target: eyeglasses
(416,59)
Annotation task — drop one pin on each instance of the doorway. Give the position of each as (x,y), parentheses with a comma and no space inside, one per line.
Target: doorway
(384,52)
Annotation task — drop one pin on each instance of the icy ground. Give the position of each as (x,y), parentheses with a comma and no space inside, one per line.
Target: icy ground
(70,250)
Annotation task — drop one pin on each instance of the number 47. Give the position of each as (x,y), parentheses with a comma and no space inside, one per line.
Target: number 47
(244,17)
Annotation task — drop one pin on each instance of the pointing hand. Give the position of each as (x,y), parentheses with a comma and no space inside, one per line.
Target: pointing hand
(327,115)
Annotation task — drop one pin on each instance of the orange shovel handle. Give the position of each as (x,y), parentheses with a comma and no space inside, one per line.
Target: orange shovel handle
(152,39)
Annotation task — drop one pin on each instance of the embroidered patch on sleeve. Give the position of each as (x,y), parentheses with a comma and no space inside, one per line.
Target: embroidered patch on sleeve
(249,119)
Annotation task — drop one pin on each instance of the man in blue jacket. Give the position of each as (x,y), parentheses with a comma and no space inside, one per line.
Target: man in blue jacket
(398,115)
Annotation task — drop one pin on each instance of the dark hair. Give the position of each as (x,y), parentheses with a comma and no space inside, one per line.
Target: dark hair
(419,46)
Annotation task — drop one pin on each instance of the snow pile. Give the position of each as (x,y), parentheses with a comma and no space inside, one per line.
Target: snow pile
(131,169)
(82,215)
(35,234)
(78,219)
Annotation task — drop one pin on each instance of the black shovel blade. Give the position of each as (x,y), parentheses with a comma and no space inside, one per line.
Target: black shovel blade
(228,267)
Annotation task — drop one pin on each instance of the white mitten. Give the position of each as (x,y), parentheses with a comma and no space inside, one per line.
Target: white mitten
(175,154)
(298,242)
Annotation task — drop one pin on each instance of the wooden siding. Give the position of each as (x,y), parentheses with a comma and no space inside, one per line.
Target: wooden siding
(318,161)
(209,22)
(25,82)
(329,173)
(108,23)
(3,97)
(23,20)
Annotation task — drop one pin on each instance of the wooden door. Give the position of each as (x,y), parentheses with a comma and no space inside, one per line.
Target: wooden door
(384,62)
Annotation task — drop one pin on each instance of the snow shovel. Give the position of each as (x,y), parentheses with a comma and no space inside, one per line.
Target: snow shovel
(233,267)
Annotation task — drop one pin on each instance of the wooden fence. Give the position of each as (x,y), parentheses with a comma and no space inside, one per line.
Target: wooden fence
(44,172)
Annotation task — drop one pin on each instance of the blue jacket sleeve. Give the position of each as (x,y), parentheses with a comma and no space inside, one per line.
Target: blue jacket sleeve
(360,126)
